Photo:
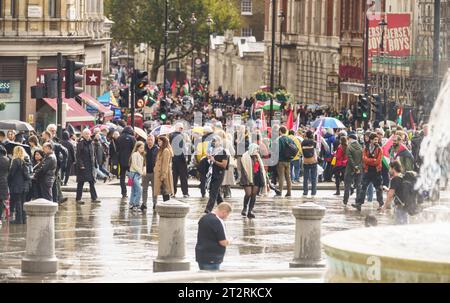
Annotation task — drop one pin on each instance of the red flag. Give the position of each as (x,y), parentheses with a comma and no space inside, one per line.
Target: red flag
(173,87)
(290,120)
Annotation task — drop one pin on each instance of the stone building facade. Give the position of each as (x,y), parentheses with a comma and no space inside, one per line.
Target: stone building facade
(252,18)
(310,48)
(235,64)
(33,32)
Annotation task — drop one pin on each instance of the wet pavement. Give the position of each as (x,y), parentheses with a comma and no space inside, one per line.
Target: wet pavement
(108,241)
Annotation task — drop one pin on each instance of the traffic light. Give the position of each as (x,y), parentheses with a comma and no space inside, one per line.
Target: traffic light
(73,78)
(162,110)
(124,97)
(379,111)
(140,86)
(363,104)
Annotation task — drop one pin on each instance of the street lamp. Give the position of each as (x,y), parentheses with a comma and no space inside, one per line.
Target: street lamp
(272,59)
(209,22)
(193,22)
(383,25)
(282,17)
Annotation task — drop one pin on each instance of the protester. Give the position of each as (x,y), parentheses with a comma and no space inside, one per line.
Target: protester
(354,167)
(151,152)
(341,163)
(284,162)
(137,171)
(212,239)
(372,163)
(179,160)
(66,172)
(309,164)
(86,167)
(114,155)
(394,193)
(4,172)
(19,182)
(162,173)
(125,145)
(253,178)
(44,173)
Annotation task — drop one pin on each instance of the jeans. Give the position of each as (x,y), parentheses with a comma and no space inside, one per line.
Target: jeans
(374,178)
(310,173)
(370,193)
(401,216)
(100,173)
(65,174)
(146,180)
(283,169)
(17,199)
(349,179)
(209,266)
(136,189)
(92,190)
(214,192)
(295,170)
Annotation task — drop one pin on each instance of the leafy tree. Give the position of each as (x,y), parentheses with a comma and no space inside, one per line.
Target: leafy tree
(142,21)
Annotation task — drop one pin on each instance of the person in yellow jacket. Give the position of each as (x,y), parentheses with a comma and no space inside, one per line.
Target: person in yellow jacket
(296,162)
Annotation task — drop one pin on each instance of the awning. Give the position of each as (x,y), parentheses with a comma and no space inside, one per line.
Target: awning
(75,112)
(93,103)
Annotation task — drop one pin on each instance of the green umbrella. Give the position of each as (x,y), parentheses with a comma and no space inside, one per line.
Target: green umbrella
(275,106)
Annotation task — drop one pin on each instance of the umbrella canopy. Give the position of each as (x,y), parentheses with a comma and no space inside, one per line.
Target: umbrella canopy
(16,125)
(275,106)
(9,146)
(141,133)
(162,130)
(328,122)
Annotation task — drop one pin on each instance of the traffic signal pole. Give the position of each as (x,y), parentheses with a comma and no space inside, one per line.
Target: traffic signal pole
(133,94)
(59,64)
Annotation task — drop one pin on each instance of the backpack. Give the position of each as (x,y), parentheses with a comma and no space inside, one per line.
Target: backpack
(409,195)
(289,149)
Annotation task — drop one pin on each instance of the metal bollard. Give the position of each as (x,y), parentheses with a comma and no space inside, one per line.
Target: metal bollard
(40,241)
(307,247)
(172,242)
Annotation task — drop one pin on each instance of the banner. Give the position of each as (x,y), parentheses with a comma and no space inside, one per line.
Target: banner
(397,35)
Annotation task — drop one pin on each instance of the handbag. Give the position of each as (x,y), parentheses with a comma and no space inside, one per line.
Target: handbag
(333,162)
(130,181)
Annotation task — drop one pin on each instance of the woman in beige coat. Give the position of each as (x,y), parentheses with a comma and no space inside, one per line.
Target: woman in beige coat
(162,172)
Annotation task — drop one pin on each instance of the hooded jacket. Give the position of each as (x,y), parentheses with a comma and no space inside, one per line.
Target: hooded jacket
(125,145)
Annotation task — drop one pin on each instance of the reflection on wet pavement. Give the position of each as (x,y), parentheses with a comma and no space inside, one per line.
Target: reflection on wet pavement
(109,241)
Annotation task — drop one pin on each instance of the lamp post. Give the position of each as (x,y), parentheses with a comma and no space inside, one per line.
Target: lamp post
(180,24)
(436,46)
(282,17)
(272,62)
(383,25)
(193,22)
(366,52)
(166,36)
(209,22)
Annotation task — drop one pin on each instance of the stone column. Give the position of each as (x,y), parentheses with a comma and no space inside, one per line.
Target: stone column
(40,242)
(307,247)
(29,106)
(172,242)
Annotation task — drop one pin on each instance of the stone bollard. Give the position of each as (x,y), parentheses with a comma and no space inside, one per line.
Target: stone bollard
(172,242)
(307,246)
(40,242)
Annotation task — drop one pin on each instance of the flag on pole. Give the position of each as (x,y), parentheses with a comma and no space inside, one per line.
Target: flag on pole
(297,123)
(185,91)
(319,135)
(263,121)
(290,120)
(173,87)
(399,115)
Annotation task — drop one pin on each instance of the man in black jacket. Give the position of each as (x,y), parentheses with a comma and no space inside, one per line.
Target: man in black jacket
(125,145)
(65,173)
(86,166)
(45,176)
(179,164)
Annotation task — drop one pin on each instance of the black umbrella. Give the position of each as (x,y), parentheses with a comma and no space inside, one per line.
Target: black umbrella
(16,125)
(9,146)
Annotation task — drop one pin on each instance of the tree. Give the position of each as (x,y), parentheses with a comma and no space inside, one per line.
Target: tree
(142,21)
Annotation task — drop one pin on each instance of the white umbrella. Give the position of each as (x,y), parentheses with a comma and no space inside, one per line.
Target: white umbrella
(162,130)
(141,133)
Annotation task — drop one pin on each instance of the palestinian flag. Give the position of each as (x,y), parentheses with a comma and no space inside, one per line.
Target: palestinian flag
(173,87)
(186,89)
(386,156)
(399,115)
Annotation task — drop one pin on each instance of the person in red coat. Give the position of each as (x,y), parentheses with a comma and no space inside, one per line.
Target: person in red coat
(341,163)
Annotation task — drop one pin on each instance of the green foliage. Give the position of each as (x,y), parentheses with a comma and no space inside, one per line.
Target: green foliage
(2,106)
(142,21)
(282,95)
(261,95)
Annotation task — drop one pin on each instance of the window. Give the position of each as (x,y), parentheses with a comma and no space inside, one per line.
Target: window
(246,7)
(246,32)
(14,8)
(52,8)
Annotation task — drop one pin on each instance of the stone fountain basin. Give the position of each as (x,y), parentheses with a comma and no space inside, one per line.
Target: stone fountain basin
(410,253)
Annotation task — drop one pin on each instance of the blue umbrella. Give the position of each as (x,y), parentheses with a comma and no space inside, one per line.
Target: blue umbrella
(328,123)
